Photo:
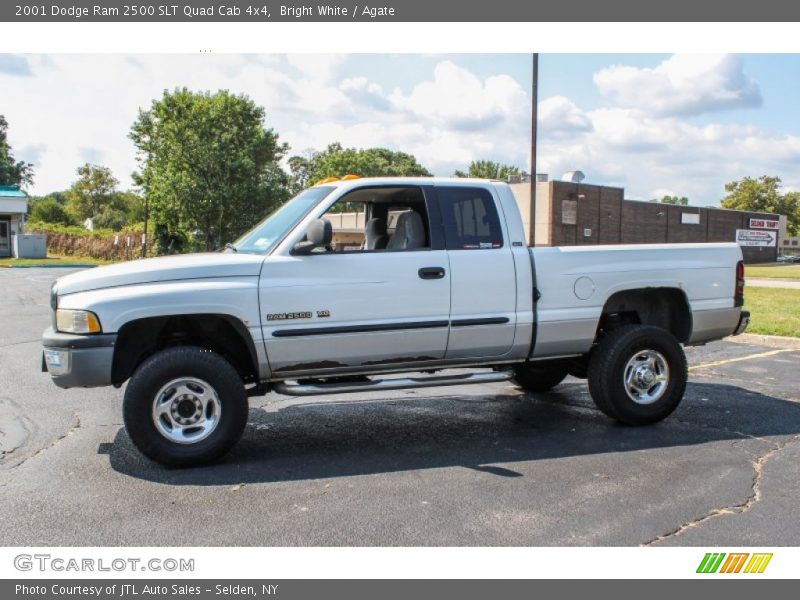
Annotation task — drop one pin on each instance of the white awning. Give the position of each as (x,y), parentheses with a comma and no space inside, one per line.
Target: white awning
(13,205)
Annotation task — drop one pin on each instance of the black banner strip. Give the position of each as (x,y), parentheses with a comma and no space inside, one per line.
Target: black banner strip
(259,11)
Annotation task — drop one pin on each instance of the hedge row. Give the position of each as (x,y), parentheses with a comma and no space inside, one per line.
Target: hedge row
(104,244)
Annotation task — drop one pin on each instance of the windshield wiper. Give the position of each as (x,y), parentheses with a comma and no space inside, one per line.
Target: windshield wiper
(229,246)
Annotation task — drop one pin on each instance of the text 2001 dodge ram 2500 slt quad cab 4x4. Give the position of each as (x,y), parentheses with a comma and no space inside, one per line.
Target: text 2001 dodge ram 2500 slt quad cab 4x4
(444,279)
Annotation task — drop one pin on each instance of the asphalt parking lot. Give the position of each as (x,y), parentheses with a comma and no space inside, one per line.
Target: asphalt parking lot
(472,465)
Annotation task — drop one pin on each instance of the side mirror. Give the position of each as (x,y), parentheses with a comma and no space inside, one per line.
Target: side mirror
(319,233)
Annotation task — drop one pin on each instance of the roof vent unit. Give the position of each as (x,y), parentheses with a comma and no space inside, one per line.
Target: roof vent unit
(573,176)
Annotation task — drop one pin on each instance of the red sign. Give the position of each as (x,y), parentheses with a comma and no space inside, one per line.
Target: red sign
(764,224)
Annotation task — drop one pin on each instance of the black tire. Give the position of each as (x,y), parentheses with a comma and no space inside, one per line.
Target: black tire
(617,354)
(194,364)
(540,376)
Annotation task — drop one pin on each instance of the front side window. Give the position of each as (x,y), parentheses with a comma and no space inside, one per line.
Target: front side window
(382,219)
(470,219)
(266,235)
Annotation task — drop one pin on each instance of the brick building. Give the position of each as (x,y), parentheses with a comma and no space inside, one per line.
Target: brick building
(570,214)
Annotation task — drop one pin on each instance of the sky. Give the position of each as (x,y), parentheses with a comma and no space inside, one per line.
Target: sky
(653,124)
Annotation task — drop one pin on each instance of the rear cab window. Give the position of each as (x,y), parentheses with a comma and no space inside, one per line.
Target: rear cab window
(470,218)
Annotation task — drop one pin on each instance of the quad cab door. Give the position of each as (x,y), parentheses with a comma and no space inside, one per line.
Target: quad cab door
(483,312)
(354,309)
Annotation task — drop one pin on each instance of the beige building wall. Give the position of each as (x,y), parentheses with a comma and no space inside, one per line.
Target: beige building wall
(544,217)
(789,245)
(346,220)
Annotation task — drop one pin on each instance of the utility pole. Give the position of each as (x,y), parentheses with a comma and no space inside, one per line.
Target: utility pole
(146,217)
(534,123)
(146,199)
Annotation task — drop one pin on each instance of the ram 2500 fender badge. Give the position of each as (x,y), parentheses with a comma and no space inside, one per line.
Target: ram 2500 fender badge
(290,315)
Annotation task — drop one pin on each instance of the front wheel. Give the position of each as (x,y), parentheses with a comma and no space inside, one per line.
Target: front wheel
(185,406)
(637,374)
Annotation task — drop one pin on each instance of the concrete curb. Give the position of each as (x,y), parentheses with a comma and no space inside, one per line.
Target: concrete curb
(783,284)
(777,341)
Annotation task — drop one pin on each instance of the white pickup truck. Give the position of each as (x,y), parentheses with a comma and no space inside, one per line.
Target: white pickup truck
(447,282)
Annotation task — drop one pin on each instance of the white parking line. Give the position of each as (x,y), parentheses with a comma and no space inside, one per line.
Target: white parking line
(740,358)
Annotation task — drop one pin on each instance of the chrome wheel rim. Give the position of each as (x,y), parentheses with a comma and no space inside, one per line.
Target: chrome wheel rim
(186,410)
(646,377)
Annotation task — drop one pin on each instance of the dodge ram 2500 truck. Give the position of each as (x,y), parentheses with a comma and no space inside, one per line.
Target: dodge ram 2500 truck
(443,279)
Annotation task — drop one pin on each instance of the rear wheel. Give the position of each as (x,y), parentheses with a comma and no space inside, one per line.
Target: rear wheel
(637,374)
(540,376)
(185,406)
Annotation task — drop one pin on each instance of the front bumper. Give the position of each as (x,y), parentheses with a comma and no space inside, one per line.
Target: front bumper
(78,360)
(744,321)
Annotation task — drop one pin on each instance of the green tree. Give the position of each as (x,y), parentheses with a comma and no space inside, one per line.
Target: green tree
(123,209)
(12,171)
(487,169)
(207,163)
(92,193)
(132,204)
(337,161)
(764,195)
(48,209)
(678,200)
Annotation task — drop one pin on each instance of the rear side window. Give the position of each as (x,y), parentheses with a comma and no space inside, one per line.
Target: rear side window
(470,218)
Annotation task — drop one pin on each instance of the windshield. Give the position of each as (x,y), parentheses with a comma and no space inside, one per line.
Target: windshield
(263,237)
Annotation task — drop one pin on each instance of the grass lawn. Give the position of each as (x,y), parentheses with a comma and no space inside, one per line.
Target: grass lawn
(773,311)
(772,272)
(52,261)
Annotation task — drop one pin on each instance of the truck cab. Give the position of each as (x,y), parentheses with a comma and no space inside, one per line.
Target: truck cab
(435,280)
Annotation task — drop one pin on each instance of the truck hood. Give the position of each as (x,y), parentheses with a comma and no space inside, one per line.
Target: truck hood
(166,268)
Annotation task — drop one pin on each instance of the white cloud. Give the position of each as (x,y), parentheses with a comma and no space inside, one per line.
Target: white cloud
(445,122)
(661,192)
(440,150)
(321,67)
(642,141)
(362,92)
(648,155)
(559,117)
(684,84)
(65,114)
(450,117)
(458,99)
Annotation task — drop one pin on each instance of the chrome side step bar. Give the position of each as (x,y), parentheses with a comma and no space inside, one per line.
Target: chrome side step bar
(381,385)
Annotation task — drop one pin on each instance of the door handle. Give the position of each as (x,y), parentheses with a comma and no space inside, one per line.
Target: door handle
(431,273)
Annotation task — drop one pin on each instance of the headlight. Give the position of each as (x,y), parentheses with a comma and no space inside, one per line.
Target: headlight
(77,321)
(54,296)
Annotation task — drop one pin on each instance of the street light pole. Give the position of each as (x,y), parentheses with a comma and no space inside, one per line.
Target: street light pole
(534,123)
